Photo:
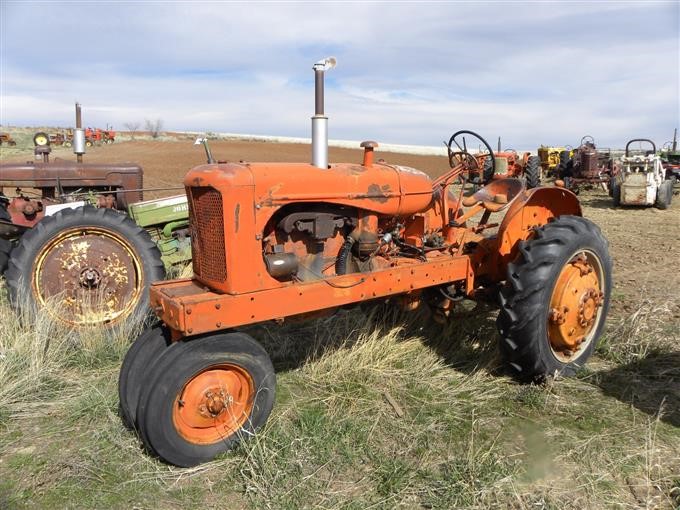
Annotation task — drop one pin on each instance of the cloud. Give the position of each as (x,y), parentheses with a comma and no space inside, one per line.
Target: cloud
(408,72)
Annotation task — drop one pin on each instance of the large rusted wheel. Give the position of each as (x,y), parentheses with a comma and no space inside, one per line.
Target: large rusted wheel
(203,395)
(555,300)
(145,350)
(85,267)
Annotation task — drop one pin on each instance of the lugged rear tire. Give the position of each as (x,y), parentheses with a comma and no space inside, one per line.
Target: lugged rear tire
(203,395)
(564,169)
(615,190)
(85,267)
(532,172)
(539,285)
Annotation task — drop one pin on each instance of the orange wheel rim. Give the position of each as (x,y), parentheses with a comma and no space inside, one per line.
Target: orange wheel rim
(576,306)
(214,404)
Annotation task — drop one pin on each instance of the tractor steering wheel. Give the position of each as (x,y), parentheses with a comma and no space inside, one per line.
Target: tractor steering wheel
(459,154)
(587,139)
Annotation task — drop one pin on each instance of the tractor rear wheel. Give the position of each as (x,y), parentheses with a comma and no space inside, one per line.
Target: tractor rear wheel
(615,190)
(203,395)
(146,349)
(532,172)
(664,195)
(555,299)
(565,166)
(5,252)
(85,267)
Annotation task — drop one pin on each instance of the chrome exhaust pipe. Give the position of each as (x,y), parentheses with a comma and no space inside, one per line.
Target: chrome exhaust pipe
(320,121)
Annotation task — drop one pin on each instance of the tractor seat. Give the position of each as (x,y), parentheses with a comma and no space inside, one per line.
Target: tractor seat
(496,195)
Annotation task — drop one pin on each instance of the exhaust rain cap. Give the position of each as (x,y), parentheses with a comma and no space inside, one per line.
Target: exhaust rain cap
(320,121)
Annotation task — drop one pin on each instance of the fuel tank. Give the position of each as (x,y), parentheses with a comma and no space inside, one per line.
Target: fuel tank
(381,188)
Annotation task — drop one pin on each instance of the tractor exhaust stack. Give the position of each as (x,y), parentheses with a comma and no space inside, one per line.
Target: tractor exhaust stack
(320,121)
(79,136)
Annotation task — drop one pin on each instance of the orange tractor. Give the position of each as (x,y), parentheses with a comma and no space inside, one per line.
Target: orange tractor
(503,164)
(279,241)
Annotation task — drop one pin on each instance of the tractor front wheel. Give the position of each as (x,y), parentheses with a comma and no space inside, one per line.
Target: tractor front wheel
(555,299)
(84,267)
(532,172)
(203,395)
(146,349)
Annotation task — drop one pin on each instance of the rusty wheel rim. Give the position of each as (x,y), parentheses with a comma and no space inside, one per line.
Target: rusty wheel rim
(88,276)
(576,306)
(214,404)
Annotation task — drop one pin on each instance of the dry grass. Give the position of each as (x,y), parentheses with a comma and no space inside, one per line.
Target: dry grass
(381,412)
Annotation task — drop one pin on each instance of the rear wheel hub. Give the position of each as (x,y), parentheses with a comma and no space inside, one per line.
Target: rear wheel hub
(88,275)
(575,306)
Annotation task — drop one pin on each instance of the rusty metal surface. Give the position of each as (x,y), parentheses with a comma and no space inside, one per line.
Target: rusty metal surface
(87,275)
(71,175)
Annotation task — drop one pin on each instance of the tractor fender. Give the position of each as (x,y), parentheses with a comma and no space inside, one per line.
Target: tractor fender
(533,208)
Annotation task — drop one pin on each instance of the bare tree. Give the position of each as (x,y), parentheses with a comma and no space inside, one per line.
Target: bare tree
(132,127)
(154,128)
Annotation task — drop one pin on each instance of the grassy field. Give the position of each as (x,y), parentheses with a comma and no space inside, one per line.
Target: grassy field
(387,413)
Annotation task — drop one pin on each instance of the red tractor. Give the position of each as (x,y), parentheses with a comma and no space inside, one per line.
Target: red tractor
(588,166)
(502,165)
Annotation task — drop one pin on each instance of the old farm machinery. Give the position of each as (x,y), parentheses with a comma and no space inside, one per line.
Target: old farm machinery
(586,166)
(495,165)
(76,239)
(6,138)
(670,158)
(273,241)
(642,179)
(550,158)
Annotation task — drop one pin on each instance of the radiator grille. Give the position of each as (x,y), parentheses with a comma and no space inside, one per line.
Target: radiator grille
(207,233)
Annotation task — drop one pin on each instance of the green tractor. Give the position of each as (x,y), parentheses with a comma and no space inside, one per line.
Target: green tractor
(670,158)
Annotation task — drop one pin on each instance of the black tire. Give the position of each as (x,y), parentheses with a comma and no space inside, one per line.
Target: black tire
(664,195)
(185,361)
(118,231)
(5,252)
(488,170)
(532,172)
(615,190)
(526,298)
(41,138)
(141,354)
(564,169)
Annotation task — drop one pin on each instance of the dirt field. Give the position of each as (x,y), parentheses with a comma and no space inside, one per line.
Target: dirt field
(470,437)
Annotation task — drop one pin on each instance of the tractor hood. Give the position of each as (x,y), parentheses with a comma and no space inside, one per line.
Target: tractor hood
(382,188)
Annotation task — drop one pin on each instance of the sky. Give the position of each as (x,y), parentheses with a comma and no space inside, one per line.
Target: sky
(408,72)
